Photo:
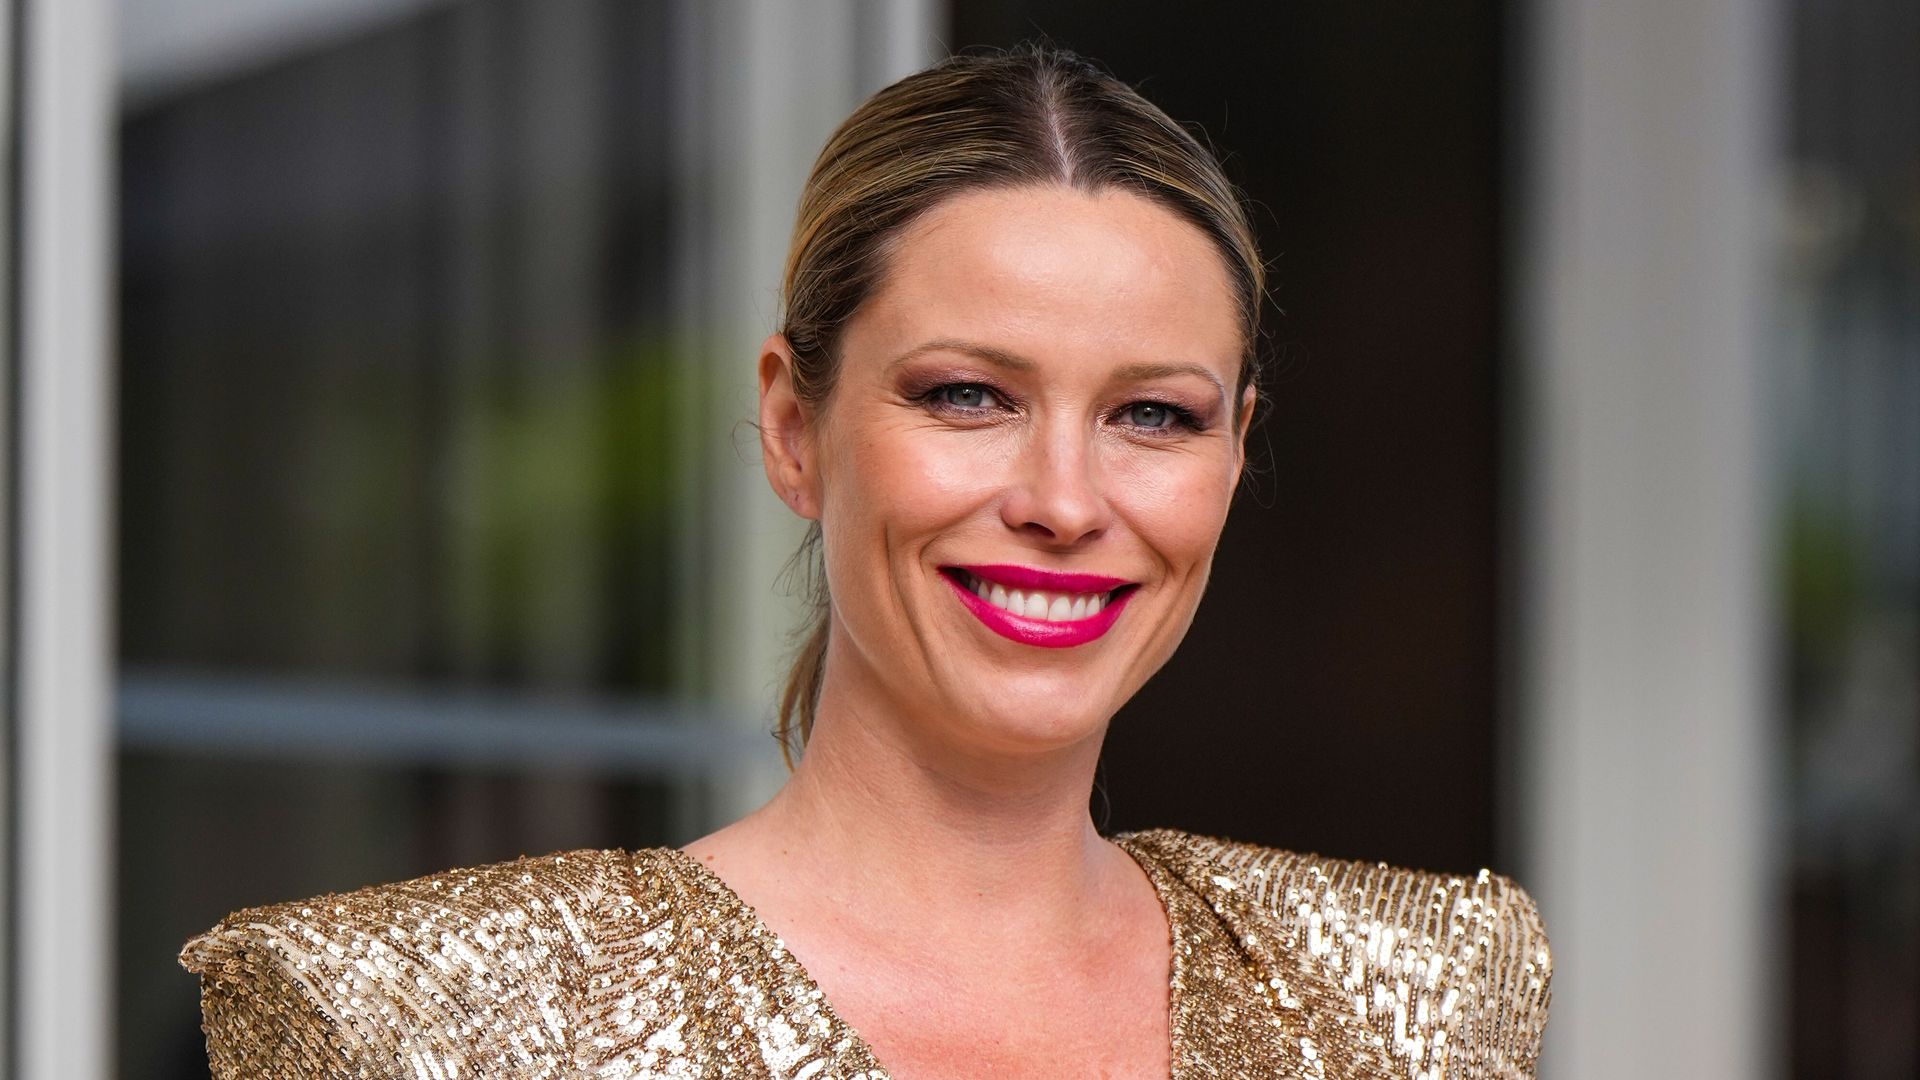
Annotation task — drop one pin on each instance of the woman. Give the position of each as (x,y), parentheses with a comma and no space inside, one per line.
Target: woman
(1011,391)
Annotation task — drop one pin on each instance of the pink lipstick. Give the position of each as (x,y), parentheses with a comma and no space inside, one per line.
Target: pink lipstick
(1040,607)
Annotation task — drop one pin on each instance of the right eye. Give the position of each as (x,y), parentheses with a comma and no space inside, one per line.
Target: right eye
(962,396)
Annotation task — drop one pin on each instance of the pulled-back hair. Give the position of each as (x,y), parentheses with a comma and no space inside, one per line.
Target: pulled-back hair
(1031,116)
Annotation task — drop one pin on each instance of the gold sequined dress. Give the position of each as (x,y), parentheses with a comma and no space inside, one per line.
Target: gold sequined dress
(615,965)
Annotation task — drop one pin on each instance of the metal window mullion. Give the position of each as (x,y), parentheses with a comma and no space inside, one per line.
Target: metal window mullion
(62,927)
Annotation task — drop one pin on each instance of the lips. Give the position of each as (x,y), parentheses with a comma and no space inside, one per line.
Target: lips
(1026,577)
(1040,607)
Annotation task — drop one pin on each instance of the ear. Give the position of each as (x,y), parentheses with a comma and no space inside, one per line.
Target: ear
(786,442)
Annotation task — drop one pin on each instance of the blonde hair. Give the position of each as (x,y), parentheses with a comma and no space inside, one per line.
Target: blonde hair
(1034,115)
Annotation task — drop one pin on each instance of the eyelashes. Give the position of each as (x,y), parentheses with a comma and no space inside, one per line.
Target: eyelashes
(962,397)
(1155,415)
(1152,416)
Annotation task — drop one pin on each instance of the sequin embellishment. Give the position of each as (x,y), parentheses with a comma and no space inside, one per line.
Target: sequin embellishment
(608,965)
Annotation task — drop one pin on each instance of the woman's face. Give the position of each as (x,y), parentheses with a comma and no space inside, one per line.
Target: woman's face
(1024,465)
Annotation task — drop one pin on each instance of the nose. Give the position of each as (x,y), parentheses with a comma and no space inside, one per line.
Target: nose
(1058,494)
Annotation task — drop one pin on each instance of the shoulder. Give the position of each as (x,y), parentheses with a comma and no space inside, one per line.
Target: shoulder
(1284,880)
(541,900)
(1460,953)
(320,986)
(1298,884)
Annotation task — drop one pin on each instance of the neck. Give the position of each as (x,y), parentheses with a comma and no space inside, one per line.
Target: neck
(880,808)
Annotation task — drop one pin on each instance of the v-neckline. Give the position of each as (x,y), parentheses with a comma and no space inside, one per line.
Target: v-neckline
(843,1031)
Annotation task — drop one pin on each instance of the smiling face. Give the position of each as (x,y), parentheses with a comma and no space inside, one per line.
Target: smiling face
(1024,464)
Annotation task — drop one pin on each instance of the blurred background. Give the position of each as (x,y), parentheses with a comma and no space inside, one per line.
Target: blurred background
(377,499)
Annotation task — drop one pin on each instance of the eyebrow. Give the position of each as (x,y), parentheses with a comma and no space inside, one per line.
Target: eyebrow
(1142,372)
(997,357)
(1015,362)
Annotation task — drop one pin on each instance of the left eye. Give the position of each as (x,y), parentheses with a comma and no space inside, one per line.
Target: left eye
(1148,414)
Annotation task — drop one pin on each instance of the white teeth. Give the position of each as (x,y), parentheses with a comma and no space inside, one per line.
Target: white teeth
(1037,604)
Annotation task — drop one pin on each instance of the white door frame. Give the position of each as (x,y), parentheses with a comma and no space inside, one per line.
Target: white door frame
(63,480)
(1647,715)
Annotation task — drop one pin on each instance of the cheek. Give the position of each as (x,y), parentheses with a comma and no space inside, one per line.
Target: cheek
(1176,503)
(894,484)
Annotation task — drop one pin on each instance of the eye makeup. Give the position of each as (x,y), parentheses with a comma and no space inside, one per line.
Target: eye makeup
(963,390)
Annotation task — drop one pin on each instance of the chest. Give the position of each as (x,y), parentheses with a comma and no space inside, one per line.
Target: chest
(708,985)
(1116,1028)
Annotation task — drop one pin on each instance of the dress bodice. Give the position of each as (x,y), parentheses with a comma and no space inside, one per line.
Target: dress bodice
(618,965)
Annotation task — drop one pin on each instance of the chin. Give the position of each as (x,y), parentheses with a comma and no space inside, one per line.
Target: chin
(1066,697)
(1036,721)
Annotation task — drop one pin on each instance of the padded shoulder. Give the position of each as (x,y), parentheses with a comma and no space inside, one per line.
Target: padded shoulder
(1445,974)
(461,973)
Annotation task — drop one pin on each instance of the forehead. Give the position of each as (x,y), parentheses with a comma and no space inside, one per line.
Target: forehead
(1051,271)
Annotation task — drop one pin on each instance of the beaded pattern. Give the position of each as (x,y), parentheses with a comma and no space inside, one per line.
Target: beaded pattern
(608,965)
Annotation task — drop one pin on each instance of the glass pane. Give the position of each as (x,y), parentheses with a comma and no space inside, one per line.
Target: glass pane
(396,379)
